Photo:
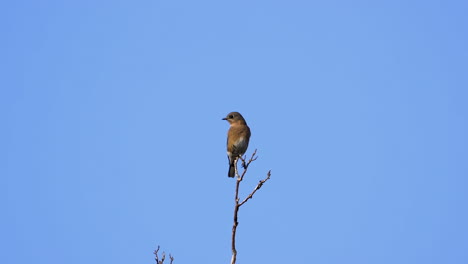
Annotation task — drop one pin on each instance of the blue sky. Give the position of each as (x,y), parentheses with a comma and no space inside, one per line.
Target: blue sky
(112,140)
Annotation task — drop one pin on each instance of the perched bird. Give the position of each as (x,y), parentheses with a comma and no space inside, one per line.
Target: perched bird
(237,139)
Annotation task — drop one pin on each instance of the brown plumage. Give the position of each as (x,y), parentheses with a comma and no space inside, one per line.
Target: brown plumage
(237,139)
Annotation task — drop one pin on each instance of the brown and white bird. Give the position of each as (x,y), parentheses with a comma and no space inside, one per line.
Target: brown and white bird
(238,137)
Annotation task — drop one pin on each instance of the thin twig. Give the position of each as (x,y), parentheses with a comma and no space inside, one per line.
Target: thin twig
(259,185)
(245,165)
(163,257)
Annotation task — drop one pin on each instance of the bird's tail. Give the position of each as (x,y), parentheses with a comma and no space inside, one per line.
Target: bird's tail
(232,170)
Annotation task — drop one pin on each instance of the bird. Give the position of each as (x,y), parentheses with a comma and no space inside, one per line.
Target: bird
(238,137)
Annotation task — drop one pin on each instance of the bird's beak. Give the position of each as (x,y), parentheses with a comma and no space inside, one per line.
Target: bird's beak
(224,119)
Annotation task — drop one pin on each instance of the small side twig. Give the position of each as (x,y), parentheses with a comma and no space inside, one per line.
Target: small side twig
(163,257)
(259,185)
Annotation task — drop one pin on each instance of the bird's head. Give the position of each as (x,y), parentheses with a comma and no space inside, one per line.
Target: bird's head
(235,117)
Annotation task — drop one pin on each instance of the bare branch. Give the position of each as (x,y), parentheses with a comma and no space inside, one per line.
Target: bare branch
(163,257)
(245,165)
(259,185)
(237,205)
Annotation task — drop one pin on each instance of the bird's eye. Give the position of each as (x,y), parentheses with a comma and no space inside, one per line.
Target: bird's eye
(231,116)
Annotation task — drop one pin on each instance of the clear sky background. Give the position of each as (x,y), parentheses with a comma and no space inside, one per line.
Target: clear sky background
(112,140)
